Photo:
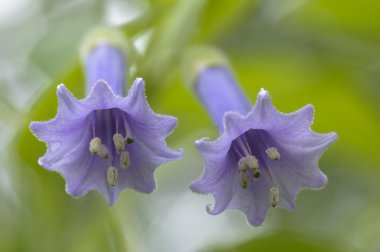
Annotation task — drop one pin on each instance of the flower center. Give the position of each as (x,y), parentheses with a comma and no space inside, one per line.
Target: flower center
(111,133)
(255,152)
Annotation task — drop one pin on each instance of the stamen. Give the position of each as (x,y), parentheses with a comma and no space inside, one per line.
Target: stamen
(242,165)
(252,163)
(97,148)
(274,196)
(244,179)
(125,161)
(112,175)
(95,144)
(129,138)
(118,141)
(243,146)
(103,151)
(273,153)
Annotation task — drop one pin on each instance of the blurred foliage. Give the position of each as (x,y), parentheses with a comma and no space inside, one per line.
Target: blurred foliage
(287,241)
(326,53)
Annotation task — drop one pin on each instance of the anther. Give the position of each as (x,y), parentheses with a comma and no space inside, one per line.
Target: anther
(125,161)
(95,144)
(274,196)
(103,151)
(250,162)
(97,148)
(118,141)
(273,153)
(244,179)
(112,174)
(253,164)
(242,165)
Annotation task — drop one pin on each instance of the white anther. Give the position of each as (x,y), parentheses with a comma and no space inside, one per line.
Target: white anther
(112,174)
(125,161)
(118,141)
(274,196)
(97,148)
(273,153)
(242,165)
(95,144)
(252,162)
(244,179)
(103,151)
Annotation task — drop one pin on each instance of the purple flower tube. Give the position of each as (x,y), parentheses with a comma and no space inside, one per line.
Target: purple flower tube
(263,157)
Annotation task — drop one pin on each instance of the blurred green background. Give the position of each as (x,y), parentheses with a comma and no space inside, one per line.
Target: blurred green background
(322,52)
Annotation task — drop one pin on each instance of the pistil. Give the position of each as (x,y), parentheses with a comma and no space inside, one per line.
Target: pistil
(274,196)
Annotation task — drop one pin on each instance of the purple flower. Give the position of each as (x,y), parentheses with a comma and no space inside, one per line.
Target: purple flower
(106,142)
(263,157)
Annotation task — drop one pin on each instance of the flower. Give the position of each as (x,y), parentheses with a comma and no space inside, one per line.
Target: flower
(263,157)
(106,142)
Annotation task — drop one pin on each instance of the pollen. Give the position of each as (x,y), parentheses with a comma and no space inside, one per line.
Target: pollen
(242,165)
(112,175)
(118,141)
(95,144)
(97,148)
(125,161)
(273,153)
(274,196)
(244,179)
(103,152)
(250,162)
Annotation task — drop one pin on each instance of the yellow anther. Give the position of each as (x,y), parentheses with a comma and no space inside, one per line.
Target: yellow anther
(97,148)
(112,175)
(125,161)
(95,144)
(242,165)
(244,179)
(252,162)
(103,151)
(118,141)
(273,153)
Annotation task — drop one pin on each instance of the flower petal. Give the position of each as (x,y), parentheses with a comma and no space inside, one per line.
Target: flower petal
(68,106)
(101,97)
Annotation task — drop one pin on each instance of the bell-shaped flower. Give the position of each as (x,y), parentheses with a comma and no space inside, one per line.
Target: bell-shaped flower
(106,142)
(263,157)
